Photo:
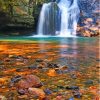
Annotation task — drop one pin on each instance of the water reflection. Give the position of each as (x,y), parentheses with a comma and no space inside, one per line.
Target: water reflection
(66,51)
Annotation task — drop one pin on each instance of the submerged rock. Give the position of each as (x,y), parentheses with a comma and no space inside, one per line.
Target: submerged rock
(89,82)
(72,88)
(21,91)
(32,67)
(2,97)
(48,91)
(52,65)
(71,98)
(52,73)
(33,80)
(37,92)
(16,79)
(39,60)
(23,84)
(77,94)
(23,97)
(28,82)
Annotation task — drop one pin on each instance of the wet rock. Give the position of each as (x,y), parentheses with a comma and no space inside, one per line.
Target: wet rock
(2,97)
(39,60)
(40,66)
(19,70)
(77,94)
(47,91)
(11,95)
(21,91)
(73,76)
(45,69)
(29,81)
(37,92)
(64,68)
(23,84)
(32,67)
(13,56)
(60,87)
(71,98)
(1,62)
(52,65)
(52,73)
(33,81)
(16,79)
(56,66)
(23,97)
(55,90)
(72,88)
(59,71)
(1,67)
(89,82)
(59,97)
(65,71)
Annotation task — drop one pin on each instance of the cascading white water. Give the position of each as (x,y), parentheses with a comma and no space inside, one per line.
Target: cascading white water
(69,17)
(59,18)
(41,20)
(47,20)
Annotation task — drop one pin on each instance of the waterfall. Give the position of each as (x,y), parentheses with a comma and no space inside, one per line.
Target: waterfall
(41,20)
(48,20)
(59,18)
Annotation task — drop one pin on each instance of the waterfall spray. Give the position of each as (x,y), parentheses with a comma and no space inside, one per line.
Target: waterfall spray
(59,18)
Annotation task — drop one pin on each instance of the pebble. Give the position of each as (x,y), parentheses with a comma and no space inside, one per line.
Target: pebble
(16,79)
(55,90)
(60,81)
(89,82)
(52,65)
(59,98)
(1,67)
(71,98)
(48,91)
(72,88)
(23,97)
(77,94)
(73,76)
(21,91)
(60,87)
(32,67)
(59,71)
(39,60)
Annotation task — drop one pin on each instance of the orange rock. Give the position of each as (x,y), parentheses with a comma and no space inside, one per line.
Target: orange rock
(38,92)
(33,80)
(23,84)
(94,90)
(9,71)
(23,73)
(51,72)
(97,98)
(29,81)
(59,98)
(3,80)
